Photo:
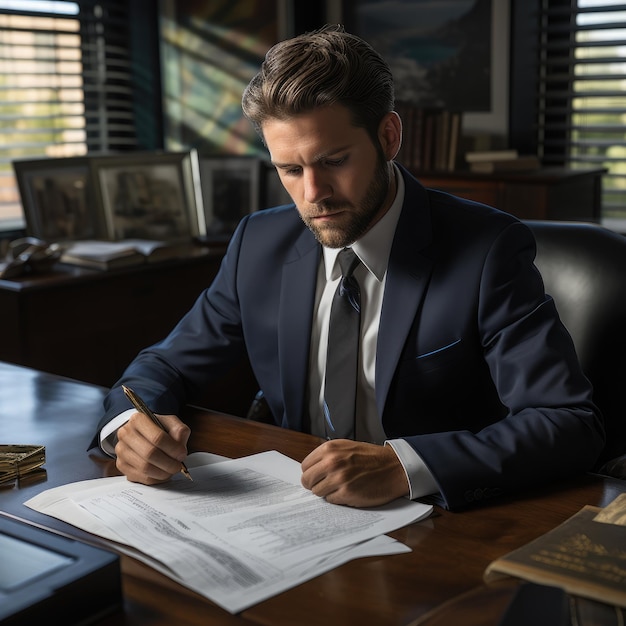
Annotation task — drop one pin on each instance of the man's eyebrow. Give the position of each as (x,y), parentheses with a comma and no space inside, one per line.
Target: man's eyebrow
(317,159)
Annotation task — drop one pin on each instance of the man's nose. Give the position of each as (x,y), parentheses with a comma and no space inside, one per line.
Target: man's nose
(316,187)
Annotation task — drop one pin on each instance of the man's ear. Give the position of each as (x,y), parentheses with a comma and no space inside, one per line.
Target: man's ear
(390,134)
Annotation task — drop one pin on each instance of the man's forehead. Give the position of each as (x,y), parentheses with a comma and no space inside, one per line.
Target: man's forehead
(318,134)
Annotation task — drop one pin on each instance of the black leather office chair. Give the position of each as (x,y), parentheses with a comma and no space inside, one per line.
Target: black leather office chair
(583,266)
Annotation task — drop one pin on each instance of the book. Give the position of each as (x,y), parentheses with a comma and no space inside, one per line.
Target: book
(105,255)
(520,164)
(430,137)
(585,556)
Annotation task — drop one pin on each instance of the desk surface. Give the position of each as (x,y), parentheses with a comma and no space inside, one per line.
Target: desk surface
(449,551)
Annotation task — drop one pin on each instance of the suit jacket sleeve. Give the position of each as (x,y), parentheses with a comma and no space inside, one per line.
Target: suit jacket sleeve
(498,399)
(259,305)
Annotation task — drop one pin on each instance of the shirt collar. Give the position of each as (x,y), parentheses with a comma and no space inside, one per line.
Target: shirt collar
(374,247)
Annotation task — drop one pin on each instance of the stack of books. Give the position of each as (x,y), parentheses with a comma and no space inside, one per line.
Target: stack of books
(430,138)
(490,161)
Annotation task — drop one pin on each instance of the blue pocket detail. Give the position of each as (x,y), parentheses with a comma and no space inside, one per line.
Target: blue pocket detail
(422,356)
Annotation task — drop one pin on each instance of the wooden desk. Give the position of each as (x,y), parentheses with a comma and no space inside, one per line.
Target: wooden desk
(450,550)
(89,324)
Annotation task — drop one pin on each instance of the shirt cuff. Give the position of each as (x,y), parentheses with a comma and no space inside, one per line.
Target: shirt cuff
(108,434)
(421,481)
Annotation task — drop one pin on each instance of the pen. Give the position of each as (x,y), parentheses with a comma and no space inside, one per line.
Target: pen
(141,406)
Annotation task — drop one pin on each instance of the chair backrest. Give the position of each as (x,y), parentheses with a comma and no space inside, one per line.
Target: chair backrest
(583,266)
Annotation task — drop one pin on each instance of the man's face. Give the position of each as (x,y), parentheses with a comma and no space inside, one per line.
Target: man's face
(337,178)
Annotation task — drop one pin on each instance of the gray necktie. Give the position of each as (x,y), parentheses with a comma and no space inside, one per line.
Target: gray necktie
(343,351)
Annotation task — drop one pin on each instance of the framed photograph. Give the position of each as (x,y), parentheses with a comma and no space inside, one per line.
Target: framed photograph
(230,189)
(151,195)
(58,199)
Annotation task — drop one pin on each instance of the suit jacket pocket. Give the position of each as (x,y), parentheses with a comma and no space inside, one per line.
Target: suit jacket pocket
(443,356)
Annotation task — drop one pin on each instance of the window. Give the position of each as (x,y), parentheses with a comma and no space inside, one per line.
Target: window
(582,93)
(66,84)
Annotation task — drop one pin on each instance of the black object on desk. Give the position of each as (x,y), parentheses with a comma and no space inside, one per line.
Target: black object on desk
(45,575)
(537,605)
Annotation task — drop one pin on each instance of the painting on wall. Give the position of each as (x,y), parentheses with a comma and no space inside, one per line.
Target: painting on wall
(440,52)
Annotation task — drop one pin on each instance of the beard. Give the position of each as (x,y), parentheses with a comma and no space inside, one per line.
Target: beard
(359,218)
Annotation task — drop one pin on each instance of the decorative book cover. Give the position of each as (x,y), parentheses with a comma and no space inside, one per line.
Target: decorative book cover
(18,460)
(584,555)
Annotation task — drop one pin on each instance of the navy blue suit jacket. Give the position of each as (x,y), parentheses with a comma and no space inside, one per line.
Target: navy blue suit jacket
(473,366)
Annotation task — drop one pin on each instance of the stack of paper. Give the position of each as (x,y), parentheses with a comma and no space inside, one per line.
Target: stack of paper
(242,531)
(492,161)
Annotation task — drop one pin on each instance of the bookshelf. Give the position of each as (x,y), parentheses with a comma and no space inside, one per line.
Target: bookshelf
(430,137)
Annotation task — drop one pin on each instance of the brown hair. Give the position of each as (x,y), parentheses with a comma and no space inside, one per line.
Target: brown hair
(321,68)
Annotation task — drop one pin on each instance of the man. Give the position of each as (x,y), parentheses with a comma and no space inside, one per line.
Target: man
(469,385)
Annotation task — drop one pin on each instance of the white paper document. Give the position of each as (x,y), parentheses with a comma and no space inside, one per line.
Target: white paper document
(242,531)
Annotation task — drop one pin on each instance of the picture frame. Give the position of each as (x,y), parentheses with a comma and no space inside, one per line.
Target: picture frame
(58,198)
(231,188)
(149,195)
(439,56)
(489,76)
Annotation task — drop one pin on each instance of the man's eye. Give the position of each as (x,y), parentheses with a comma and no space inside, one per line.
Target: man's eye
(336,162)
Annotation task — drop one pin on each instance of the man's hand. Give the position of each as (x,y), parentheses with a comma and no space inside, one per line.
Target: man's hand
(354,473)
(145,453)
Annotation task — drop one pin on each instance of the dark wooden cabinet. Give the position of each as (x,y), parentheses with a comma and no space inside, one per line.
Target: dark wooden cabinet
(88,324)
(545,194)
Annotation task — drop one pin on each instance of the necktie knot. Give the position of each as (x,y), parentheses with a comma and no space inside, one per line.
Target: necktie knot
(348,286)
(348,261)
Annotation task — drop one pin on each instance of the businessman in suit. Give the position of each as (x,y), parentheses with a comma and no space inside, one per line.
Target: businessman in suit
(468,384)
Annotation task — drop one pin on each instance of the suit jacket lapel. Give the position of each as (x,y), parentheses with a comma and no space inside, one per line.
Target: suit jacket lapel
(408,274)
(407,278)
(297,300)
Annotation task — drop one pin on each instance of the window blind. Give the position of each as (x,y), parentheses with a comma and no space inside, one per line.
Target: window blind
(582,99)
(65,83)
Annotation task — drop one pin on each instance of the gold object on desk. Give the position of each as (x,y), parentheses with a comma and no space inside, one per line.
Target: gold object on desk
(18,460)
(141,406)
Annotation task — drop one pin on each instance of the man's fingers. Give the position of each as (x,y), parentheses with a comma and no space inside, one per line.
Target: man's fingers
(148,454)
